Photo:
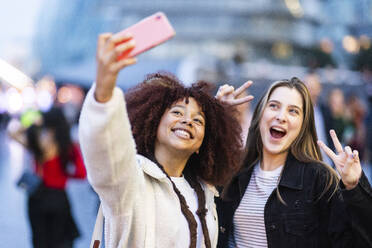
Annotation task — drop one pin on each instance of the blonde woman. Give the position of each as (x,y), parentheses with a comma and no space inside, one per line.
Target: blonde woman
(285,196)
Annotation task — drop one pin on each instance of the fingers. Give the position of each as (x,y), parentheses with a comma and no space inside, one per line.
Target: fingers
(123,63)
(352,156)
(228,94)
(349,156)
(224,90)
(243,100)
(101,42)
(110,40)
(121,37)
(356,156)
(242,88)
(327,150)
(336,142)
(102,38)
(348,151)
(110,47)
(228,90)
(122,50)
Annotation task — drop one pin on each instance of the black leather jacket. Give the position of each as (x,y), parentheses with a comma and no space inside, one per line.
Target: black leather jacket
(308,220)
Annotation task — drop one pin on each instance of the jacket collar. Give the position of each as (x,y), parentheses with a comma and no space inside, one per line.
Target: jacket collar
(150,168)
(292,177)
(293,173)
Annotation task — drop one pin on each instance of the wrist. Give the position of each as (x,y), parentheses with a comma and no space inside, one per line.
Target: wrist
(102,96)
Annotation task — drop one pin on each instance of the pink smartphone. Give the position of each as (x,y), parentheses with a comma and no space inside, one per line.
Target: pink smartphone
(148,33)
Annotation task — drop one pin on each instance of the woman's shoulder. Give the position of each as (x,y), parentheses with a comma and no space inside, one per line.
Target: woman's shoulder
(315,166)
(322,175)
(317,170)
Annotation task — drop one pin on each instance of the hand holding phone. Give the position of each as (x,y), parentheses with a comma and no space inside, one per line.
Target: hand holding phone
(114,52)
(108,67)
(148,33)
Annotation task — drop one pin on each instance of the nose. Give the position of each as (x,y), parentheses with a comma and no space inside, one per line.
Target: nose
(187,121)
(281,117)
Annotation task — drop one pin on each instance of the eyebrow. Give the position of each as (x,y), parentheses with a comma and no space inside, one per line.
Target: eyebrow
(292,105)
(181,106)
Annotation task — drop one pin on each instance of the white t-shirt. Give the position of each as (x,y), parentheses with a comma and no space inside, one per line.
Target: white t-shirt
(249,222)
(192,201)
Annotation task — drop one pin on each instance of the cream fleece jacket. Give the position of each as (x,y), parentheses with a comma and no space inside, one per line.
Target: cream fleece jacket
(139,204)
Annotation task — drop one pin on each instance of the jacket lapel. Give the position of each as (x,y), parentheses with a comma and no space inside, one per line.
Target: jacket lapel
(292,177)
(150,168)
(293,173)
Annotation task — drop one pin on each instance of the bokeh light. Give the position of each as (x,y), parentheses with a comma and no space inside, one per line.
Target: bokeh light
(294,6)
(326,45)
(14,101)
(64,94)
(282,50)
(350,44)
(365,42)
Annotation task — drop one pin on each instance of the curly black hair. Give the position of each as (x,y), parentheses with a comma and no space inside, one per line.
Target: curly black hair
(220,151)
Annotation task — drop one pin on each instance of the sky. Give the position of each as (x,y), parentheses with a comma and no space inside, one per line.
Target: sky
(17,24)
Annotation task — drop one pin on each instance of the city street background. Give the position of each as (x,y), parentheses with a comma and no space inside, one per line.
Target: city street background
(47,57)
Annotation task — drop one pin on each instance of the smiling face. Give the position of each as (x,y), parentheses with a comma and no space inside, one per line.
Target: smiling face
(181,128)
(281,120)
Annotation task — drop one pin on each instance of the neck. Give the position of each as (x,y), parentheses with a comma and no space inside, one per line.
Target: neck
(272,161)
(173,164)
(50,152)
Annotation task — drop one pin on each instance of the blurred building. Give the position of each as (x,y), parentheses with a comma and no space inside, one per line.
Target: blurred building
(218,40)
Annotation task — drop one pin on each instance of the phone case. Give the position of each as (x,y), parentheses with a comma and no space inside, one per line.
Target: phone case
(148,33)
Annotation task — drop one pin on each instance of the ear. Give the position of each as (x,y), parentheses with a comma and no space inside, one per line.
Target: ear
(197,151)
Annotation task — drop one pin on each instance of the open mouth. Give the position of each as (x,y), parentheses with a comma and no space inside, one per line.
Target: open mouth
(183,133)
(277,133)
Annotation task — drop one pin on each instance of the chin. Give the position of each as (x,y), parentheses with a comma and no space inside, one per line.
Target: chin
(277,150)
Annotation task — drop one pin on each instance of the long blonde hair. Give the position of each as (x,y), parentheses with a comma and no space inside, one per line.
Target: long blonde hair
(304,148)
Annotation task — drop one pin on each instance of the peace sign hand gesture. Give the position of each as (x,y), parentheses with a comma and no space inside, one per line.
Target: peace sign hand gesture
(347,162)
(227,94)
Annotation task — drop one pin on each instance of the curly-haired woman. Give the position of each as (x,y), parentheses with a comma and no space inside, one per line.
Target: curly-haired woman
(155,156)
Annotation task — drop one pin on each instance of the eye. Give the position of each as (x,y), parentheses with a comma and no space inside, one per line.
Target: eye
(294,111)
(273,105)
(199,121)
(176,112)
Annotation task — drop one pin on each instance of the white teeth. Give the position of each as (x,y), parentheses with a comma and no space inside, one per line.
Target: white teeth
(278,129)
(182,133)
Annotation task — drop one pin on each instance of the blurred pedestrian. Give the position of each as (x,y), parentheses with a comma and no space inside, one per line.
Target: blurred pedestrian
(56,158)
(321,112)
(356,131)
(337,118)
